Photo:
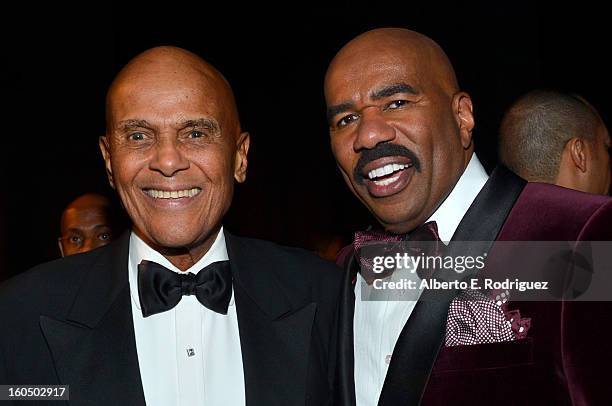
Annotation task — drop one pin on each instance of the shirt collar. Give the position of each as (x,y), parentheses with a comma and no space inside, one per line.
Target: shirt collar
(454,207)
(139,250)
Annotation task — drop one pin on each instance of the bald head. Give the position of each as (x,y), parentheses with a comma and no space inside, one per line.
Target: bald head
(399,46)
(164,68)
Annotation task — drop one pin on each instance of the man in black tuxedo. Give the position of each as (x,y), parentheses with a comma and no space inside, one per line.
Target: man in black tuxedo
(177,311)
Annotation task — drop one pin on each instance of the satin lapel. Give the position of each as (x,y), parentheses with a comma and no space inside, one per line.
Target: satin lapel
(275,335)
(93,348)
(274,353)
(487,214)
(423,334)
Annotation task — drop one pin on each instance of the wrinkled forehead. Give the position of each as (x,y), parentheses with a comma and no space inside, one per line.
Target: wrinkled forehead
(361,73)
(137,88)
(170,94)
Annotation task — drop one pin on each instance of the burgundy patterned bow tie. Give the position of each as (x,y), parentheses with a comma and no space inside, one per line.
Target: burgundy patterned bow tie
(388,244)
(160,289)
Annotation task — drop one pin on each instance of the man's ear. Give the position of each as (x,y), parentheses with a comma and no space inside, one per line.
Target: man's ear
(61,247)
(464,114)
(241,162)
(577,151)
(105,149)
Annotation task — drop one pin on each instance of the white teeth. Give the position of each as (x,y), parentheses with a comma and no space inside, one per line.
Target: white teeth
(174,194)
(386,182)
(386,170)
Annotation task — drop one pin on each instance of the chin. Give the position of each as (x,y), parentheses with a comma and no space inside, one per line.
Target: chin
(392,213)
(174,242)
(401,228)
(169,241)
(170,236)
(398,223)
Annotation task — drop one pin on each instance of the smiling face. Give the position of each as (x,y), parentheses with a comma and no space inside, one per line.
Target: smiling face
(400,129)
(173,149)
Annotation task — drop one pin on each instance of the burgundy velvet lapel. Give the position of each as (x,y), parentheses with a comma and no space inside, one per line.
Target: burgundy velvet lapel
(422,336)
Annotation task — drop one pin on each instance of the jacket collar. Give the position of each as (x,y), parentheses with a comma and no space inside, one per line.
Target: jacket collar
(262,287)
(100,287)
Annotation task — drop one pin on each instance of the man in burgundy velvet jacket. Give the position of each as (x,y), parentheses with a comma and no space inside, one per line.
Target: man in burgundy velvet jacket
(401,133)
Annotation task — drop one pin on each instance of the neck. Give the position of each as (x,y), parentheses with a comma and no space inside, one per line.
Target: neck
(184,257)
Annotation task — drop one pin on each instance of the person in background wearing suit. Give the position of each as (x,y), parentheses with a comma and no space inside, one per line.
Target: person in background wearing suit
(177,311)
(87,223)
(401,133)
(554,137)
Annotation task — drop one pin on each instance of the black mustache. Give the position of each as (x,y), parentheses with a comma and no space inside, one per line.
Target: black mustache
(380,151)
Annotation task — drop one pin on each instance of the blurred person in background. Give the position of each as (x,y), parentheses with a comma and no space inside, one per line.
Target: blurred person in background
(87,223)
(559,138)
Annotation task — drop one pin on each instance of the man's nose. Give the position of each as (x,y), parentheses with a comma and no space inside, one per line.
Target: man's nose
(168,158)
(88,245)
(373,129)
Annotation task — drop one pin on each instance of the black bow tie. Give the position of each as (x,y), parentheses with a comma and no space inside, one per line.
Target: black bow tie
(160,289)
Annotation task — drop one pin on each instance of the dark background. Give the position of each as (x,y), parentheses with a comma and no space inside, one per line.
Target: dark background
(59,62)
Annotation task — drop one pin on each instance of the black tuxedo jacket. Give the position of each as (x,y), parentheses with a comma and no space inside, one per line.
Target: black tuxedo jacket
(558,363)
(70,322)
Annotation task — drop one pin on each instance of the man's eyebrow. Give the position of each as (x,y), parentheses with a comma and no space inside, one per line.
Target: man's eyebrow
(133,123)
(338,108)
(378,94)
(390,90)
(73,230)
(200,122)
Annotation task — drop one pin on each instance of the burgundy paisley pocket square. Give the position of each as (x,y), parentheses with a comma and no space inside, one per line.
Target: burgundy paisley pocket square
(478,318)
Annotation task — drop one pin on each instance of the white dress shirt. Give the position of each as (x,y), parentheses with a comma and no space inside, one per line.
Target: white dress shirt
(378,324)
(188,355)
